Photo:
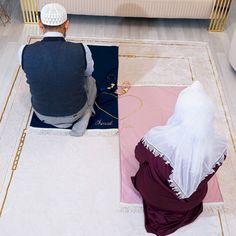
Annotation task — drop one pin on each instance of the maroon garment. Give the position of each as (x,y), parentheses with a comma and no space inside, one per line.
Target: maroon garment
(164,212)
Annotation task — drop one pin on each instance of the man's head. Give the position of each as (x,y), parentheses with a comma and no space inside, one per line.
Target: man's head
(53,17)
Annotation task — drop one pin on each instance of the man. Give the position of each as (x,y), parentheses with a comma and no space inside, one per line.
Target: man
(59,74)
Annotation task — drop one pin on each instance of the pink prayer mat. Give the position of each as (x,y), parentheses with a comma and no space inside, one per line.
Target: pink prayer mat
(139,110)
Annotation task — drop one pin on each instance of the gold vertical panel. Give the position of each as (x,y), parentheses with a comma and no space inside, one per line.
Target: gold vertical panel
(33,7)
(29,10)
(219,15)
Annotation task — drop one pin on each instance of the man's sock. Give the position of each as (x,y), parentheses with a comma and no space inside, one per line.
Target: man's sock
(81,125)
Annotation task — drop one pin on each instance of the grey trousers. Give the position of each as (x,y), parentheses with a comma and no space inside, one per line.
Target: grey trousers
(67,121)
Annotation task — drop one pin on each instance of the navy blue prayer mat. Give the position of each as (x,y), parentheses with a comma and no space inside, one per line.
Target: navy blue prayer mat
(106,75)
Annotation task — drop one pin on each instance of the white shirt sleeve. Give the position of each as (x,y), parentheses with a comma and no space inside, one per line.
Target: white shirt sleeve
(20,51)
(89,59)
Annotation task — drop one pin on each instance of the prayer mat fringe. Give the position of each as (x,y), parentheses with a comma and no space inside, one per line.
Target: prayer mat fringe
(208,208)
(212,208)
(65,132)
(131,208)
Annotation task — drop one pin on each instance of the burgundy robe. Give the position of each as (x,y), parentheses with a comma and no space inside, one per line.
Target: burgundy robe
(164,212)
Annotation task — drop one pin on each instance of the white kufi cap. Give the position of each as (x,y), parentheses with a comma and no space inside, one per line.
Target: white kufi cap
(53,14)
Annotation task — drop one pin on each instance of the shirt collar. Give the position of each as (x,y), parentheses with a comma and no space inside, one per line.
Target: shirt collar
(53,34)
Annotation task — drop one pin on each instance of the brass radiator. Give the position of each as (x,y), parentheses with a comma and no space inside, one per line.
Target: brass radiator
(219,15)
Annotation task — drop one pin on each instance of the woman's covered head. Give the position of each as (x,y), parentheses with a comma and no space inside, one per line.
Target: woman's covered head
(194,109)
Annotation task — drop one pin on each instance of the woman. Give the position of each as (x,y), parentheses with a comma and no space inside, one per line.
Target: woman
(176,162)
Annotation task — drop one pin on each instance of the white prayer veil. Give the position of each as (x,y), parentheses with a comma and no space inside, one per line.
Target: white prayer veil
(188,141)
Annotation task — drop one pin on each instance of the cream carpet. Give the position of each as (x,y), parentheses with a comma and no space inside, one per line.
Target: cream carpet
(63,186)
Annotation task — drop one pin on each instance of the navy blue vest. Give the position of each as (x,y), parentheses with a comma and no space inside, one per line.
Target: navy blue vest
(55,73)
